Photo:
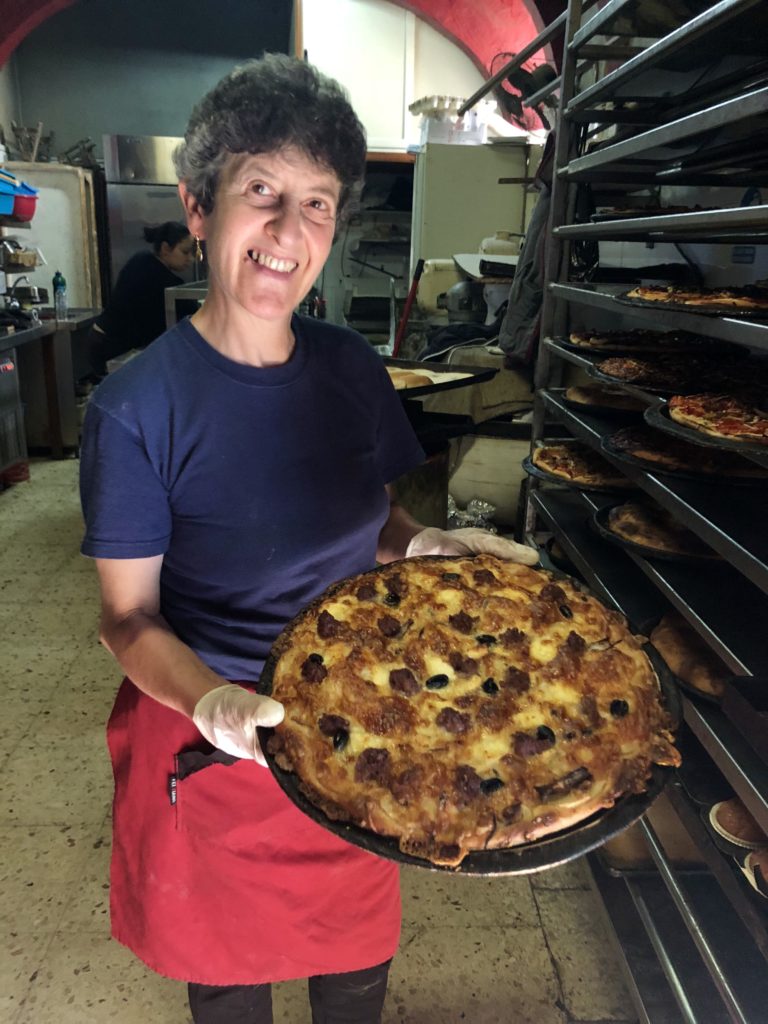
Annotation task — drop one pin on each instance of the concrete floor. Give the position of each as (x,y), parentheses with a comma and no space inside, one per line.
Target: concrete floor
(510,951)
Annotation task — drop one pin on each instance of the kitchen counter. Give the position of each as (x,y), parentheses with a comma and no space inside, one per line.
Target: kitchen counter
(46,378)
(19,338)
(77,320)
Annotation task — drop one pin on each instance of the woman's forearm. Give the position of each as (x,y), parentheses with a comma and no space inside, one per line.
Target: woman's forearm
(160,664)
(396,534)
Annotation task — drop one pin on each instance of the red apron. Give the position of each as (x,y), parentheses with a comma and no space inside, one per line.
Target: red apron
(218,879)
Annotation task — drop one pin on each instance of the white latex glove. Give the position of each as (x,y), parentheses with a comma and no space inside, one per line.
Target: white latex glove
(228,716)
(469,541)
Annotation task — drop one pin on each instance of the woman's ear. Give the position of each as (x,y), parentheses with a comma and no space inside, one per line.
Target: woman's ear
(195,215)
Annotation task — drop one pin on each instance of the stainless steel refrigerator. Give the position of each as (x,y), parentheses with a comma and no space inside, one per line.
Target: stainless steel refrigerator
(141,190)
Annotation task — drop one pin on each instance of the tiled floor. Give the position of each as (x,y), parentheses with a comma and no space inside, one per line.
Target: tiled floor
(505,951)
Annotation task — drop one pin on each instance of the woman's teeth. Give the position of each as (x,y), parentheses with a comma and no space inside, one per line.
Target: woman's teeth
(282,266)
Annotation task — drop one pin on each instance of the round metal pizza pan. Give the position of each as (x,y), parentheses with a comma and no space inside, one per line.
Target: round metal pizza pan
(599,520)
(561,562)
(697,694)
(533,470)
(680,307)
(604,411)
(697,346)
(658,416)
(658,469)
(528,858)
(605,378)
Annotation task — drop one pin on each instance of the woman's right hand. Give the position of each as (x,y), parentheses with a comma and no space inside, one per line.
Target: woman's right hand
(228,716)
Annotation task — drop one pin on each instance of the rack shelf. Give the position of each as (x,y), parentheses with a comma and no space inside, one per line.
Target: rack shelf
(605,21)
(744,901)
(699,998)
(669,153)
(744,332)
(727,27)
(731,527)
(614,579)
(695,591)
(740,224)
(744,770)
(725,946)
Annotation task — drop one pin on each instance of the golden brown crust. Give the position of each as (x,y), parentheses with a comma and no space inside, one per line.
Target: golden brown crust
(727,416)
(736,298)
(652,526)
(579,464)
(600,394)
(464,704)
(407,378)
(688,656)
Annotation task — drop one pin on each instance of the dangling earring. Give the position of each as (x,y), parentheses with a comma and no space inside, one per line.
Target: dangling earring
(198,250)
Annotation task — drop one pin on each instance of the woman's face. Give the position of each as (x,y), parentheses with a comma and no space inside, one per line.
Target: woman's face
(178,258)
(270,230)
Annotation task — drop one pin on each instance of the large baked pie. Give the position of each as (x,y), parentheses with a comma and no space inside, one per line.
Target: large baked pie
(463,704)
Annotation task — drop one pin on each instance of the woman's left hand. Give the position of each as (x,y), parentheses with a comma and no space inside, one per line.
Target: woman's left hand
(469,541)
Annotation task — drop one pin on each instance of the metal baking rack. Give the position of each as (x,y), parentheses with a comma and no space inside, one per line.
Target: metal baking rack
(626,18)
(694,948)
(566,514)
(735,27)
(695,591)
(744,332)
(732,528)
(741,224)
(713,143)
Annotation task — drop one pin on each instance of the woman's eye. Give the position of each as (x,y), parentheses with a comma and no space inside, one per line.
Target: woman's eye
(260,189)
(320,208)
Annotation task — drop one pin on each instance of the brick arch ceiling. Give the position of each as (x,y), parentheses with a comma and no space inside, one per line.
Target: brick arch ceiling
(481,29)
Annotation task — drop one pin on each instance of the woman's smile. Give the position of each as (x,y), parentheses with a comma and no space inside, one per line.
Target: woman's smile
(263,259)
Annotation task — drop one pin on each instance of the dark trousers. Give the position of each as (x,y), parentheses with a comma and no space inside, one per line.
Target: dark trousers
(353,998)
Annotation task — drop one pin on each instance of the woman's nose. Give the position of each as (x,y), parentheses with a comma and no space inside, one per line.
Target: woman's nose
(286,222)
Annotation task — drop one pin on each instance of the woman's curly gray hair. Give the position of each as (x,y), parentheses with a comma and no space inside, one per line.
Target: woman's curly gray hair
(264,106)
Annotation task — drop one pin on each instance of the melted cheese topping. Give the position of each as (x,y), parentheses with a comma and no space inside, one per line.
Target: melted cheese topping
(459,702)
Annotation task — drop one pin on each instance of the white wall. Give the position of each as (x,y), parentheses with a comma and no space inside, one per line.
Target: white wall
(386,58)
(440,69)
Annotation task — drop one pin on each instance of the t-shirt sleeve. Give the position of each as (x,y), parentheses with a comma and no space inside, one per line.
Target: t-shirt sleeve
(125,504)
(397,448)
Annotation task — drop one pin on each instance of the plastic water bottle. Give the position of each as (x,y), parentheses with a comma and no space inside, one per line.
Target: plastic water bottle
(60,296)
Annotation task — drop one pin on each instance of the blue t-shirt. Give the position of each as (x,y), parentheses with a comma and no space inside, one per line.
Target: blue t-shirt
(259,486)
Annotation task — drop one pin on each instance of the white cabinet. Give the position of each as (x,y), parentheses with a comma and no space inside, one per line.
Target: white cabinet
(458,200)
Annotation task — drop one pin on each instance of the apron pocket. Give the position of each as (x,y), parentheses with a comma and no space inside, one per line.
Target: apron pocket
(225,800)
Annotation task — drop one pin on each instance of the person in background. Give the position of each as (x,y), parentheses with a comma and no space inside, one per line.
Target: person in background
(135,313)
(229,474)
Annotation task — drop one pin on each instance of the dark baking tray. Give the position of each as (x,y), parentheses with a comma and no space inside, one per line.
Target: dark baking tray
(604,411)
(478,374)
(563,564)
(604,378)
(658,416)
(680,307)
(699,346)
(745,702)
(657,469)
(519,860)
(599,522)
(537,471)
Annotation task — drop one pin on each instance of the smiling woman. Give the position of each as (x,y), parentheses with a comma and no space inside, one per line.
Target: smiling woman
(267,239)
(229,474)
